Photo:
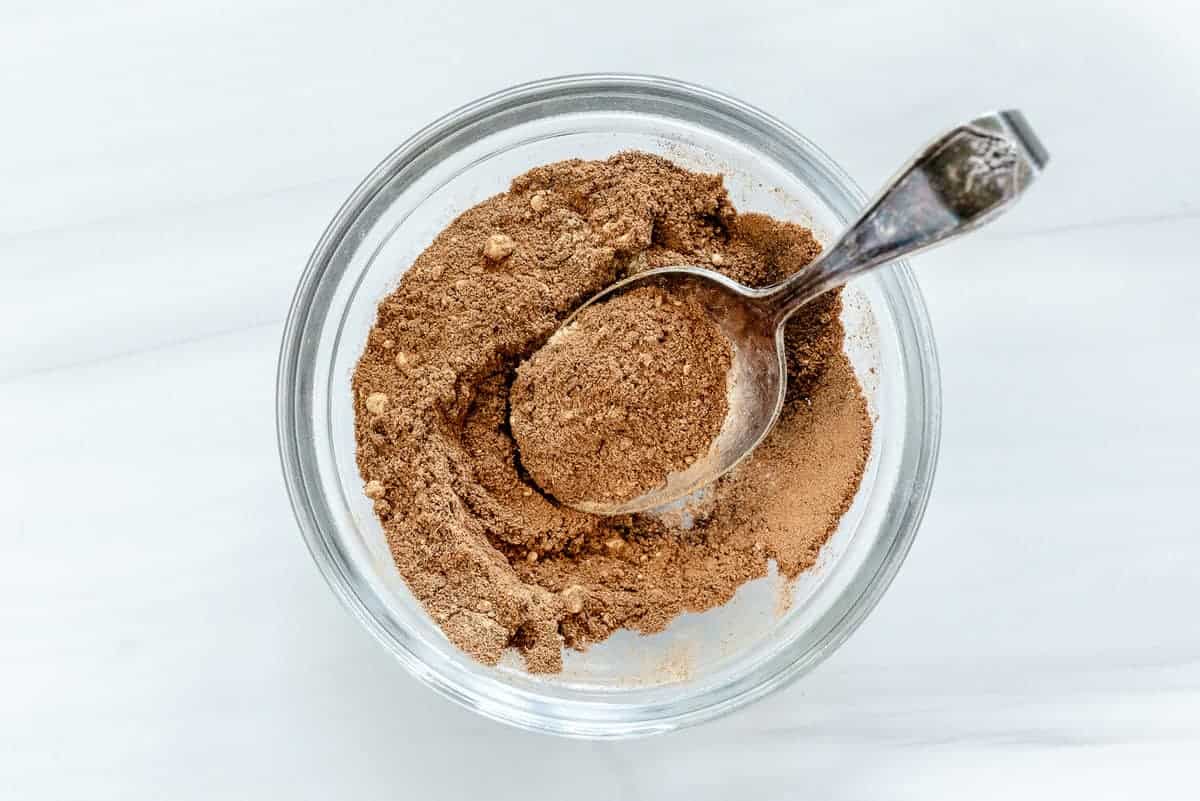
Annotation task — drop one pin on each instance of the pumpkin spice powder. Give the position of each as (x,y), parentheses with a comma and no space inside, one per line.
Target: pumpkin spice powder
(492,555)
(633,389)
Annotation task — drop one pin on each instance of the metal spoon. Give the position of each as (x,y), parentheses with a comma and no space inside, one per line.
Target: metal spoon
(964,178)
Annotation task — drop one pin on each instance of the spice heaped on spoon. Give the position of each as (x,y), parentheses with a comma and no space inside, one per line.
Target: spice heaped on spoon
(961,180)
(633,390)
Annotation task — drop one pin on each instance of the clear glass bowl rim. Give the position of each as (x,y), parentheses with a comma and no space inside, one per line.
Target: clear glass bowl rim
(920,449)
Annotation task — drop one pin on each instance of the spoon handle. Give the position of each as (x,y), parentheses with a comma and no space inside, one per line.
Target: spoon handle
(961,180)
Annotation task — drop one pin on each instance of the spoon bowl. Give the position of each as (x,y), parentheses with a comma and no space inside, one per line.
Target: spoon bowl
(961,180)
(756,383)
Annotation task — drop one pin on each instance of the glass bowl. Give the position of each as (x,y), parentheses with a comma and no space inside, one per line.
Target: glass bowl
(703,665)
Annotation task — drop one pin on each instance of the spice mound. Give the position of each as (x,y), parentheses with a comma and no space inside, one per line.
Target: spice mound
(633,390)
(498,563)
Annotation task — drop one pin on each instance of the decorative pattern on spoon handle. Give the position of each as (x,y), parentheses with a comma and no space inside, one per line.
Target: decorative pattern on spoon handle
(964,178)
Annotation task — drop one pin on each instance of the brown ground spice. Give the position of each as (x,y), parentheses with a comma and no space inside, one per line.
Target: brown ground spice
(634,389)
(496,562)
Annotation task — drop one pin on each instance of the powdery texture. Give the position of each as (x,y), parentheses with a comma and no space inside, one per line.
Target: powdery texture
(633,390)
(494,561)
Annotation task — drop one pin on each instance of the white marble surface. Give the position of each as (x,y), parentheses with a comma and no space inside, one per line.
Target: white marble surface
(166,169)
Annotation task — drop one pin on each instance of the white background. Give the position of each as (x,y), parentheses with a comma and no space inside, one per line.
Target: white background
(165,170)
